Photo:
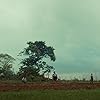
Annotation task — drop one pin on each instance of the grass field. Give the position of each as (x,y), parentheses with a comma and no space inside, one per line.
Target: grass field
(52,95)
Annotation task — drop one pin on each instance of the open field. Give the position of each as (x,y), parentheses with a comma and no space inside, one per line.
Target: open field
(48,86)
(52,95)
(49,91)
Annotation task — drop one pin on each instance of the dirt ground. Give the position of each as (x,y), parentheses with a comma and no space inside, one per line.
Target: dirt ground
(47,85)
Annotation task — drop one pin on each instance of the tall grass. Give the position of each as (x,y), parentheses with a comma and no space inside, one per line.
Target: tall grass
(52,95)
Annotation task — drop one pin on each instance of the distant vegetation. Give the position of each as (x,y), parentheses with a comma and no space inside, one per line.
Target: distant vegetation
(6,65)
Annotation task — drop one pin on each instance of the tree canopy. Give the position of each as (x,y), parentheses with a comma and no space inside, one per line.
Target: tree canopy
(34,63)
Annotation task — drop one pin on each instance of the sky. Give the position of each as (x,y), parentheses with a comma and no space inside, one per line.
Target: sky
(72,27)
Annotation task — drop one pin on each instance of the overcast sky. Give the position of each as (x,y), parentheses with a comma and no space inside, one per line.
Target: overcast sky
(72,27)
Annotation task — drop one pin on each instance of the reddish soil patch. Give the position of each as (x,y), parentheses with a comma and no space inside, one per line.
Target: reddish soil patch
(43,86)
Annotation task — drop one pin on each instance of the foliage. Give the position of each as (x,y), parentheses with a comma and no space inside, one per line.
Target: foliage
(34,63)
(6,64)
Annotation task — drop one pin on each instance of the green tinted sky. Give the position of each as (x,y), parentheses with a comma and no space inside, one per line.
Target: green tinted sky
(72,27)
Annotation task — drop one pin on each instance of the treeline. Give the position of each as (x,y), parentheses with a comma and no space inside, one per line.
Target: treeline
(33,64)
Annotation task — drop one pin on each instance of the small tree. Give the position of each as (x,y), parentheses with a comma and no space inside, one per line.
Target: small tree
(6,64)
(34,63)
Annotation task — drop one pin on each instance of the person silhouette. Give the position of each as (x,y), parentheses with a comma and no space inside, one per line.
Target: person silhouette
(91,78)
(54,76)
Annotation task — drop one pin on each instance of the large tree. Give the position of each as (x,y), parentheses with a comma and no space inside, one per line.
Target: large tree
(6,64)
(34,62)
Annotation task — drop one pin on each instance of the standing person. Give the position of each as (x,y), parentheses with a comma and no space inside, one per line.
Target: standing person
(54,76)
(24,80)
(91,78)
